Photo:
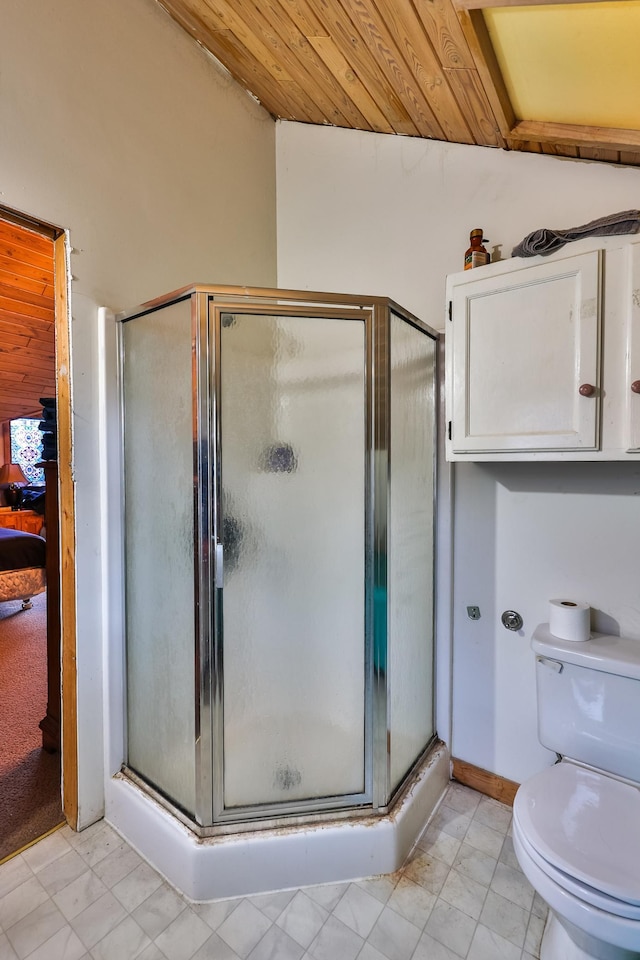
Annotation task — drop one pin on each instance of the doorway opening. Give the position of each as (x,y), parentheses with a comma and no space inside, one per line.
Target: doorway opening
(34,407)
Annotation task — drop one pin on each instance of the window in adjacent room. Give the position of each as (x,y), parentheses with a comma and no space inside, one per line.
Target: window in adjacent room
(26,448)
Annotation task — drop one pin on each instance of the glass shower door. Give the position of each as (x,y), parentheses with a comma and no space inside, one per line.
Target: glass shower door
(291,534)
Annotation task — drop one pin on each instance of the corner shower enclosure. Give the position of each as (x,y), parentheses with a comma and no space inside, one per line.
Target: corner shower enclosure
(279,452)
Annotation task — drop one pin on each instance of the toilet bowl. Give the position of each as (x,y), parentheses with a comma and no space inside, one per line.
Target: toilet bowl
(576,826)
(576,833)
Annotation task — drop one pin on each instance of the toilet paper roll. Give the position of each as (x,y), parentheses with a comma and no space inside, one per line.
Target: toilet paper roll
(569,619)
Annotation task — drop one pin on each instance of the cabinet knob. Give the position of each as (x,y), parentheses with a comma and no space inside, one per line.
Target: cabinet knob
(635,386)
(587,390)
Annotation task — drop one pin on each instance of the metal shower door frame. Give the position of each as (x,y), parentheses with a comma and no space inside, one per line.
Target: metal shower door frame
(210,310)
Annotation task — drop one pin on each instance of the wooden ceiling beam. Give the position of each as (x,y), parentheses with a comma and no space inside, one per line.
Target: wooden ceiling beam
(477,36)
(578,135)
(484,4)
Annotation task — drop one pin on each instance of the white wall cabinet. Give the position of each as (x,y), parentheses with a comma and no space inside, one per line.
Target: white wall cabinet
(543,356)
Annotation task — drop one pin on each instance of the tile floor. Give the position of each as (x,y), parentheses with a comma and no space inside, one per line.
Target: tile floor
(461,894)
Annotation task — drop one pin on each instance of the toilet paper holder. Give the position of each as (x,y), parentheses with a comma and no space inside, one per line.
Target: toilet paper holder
(512,620)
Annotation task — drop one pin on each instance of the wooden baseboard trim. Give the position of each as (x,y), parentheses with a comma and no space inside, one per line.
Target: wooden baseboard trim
(484,782)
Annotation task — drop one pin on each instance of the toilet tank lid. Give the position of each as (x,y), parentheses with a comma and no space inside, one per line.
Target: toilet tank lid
(617,655)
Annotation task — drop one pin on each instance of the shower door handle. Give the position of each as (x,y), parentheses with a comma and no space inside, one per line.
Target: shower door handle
(219,566)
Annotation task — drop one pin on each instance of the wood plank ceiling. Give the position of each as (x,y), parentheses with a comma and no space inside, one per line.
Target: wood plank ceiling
(422,68)
(27,338)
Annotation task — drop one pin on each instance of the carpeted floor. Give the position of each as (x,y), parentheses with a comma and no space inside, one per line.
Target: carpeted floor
(29,777)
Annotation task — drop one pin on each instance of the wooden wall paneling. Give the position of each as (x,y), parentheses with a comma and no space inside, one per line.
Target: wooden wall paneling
(24,303)
(12,278)
(27,346)
(21,255)
(28,240)
(17,271)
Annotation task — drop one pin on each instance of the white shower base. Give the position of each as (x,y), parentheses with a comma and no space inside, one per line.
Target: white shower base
(247,863)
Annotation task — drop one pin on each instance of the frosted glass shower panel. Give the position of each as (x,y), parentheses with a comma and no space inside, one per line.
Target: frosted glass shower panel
(159,549)
(411,526)
(293,431)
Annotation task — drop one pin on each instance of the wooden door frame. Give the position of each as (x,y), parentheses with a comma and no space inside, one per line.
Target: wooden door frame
(66,496)
(69,692)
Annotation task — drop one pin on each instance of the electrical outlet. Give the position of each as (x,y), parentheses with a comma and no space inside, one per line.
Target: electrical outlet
(473,613)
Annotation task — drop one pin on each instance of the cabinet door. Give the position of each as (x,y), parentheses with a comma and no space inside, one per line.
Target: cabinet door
(632,385)
(31,522)
(523,344)
(9,520)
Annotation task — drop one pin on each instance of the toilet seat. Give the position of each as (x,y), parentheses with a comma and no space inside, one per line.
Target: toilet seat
(575,888)
(579,826)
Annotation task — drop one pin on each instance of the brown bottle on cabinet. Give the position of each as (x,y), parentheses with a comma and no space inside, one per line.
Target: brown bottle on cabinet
(476,255)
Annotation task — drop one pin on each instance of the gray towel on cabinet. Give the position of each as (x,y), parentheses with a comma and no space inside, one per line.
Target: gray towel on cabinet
(547,241)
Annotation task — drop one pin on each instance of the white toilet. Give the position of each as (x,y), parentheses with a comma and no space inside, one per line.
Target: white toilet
(576,825)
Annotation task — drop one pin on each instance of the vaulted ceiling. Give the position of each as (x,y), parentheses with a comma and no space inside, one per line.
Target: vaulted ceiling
(422,68)
(27,339)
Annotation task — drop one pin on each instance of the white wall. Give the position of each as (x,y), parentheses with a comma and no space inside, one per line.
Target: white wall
(116,126)
(371,214)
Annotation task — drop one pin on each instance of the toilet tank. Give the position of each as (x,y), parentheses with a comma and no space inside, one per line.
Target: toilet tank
(589,700)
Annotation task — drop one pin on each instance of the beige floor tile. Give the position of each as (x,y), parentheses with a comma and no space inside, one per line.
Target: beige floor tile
(461,896)
(244,928)
(464,893)
(394,936)
(451,927)
(412,902)
(358,910)
(506,918)
(335,939)
(35,928)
